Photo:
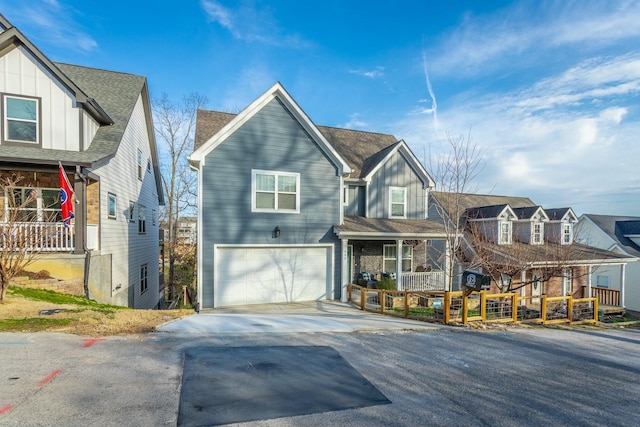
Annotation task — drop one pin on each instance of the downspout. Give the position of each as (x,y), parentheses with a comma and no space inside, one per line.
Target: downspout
(80,188)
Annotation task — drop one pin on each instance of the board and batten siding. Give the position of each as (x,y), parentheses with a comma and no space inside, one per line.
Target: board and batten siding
(271,140)
(396,172)
(119,237)
(22,74)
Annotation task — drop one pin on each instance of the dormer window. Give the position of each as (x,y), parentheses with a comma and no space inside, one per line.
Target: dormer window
(397,202)
(505,233)
(537,231)
(567,234)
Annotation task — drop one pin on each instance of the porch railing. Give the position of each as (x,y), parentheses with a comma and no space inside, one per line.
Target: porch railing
(423,281)
(38,236)
(605,296)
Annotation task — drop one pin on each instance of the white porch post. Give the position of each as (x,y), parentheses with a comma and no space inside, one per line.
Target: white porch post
(344,273)
(447,265)
(523,277)
(589,282)
(623,268)
(399,265)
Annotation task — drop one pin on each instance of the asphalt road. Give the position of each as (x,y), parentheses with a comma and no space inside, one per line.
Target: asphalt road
(437,377)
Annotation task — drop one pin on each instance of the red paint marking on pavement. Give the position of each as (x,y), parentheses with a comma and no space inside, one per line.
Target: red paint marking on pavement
(5,409)
(88,342)
(49,377)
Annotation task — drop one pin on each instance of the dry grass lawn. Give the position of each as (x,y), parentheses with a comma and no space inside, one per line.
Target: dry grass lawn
(19,314)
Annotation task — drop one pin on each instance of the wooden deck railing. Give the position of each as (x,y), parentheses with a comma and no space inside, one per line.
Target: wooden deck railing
(38,236)
(605,296)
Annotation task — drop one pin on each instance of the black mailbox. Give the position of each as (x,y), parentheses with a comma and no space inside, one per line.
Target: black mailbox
(476,281)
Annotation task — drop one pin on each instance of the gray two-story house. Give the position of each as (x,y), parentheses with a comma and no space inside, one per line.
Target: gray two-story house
(290,211)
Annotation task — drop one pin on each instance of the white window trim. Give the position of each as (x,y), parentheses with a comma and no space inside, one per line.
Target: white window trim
(404,202)
(603,276)
(509,235)
(40,208)
(142,219)
(144,278)
(115,206)
(566,225)
(140,170)
(6,118)
(384,258)
(255,172)
(540,239)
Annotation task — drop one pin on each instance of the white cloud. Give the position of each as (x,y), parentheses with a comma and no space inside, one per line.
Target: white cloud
(377,72)
(249,23)
(355,122)
(483,44)
(53,19)
(567,139)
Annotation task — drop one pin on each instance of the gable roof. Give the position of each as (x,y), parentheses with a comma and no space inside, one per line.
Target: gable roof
(489,212)
(11,36)
(363,152)
(275,91)
(560,214)
(528,212)
(618,228)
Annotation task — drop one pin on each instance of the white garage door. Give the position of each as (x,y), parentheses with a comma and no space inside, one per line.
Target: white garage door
(262,275)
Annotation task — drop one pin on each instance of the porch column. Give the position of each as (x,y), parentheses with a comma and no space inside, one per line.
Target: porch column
(447,265)
(344,273)
(79,188)
(399,265)
(588,295)
(523,291)
(623,268)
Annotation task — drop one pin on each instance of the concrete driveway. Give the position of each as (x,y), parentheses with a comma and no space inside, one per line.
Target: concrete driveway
(316,316)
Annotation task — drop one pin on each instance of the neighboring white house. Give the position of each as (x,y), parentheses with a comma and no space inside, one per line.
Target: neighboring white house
(98,125)
(621,235)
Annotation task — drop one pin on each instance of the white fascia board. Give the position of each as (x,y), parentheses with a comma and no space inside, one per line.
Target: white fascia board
(415,164)
(275,91)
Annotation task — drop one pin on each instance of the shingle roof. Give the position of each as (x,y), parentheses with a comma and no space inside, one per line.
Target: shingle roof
(556,214)
(381,226)
(485,211)
(616,227)
(525,212)
(467,201)
(117,93)
(551,253)
(361,150)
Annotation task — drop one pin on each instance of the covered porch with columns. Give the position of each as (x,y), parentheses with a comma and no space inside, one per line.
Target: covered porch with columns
(401,250)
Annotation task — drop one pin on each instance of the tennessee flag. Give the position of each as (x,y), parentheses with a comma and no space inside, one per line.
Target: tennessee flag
(65,197)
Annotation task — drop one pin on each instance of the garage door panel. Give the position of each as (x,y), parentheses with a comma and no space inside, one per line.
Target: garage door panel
(271,275)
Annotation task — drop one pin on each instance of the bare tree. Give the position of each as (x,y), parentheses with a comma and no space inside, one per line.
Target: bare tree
(175,127)
(454,174)
(506,263)
(19,239)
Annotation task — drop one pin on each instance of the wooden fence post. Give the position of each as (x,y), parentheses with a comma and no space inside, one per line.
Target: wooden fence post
(515,303)
(483,306)
(465,308)
(382,296)
(447,306)
(363,298)
(543,308)
(570,313)
(406,303)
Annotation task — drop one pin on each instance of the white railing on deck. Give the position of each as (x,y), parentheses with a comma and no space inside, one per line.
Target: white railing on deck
(423,281)
(39,236)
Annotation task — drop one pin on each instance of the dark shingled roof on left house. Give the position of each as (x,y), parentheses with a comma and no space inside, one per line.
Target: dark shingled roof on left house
(361,150)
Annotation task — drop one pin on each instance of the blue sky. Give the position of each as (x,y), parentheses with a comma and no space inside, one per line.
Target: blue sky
(549,90)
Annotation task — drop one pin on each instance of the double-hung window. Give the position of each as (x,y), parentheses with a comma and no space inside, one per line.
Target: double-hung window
(275,191)
(397,202)
(505,233)
(390,255)
(21,119)
(142,219)
(33,204)
(567,234)
(537,233)
(144,281)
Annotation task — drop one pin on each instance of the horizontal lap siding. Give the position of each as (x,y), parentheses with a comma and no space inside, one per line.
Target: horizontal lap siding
(271,140)
(396,172)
